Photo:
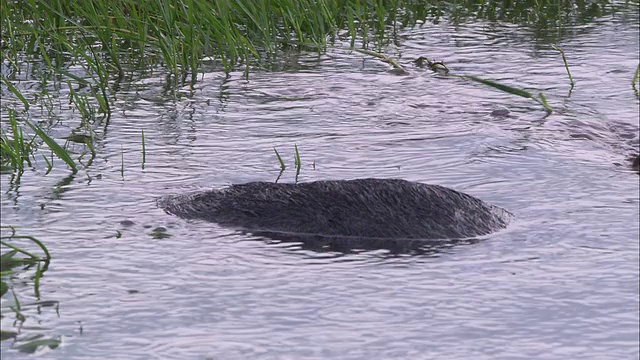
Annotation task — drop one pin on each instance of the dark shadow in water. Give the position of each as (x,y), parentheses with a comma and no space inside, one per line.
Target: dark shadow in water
(62,186)
(354,245)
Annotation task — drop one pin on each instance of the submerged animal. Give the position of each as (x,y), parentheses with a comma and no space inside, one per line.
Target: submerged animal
(362,208)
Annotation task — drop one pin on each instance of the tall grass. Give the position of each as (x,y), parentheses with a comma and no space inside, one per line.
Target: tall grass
(180,33)
(103,40)
(177,33)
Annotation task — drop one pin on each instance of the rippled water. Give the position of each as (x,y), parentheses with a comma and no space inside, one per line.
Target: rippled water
(560,283)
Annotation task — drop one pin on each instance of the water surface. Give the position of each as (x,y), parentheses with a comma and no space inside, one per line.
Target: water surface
(561,282)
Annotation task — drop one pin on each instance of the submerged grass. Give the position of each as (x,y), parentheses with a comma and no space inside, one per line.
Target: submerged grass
(389,60)
(14,260)
(16,92)
(297,161)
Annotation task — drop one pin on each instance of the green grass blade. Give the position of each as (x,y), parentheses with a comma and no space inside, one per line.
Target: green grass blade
(543,101)
(122,162)
(298,163)
(15,92)
(144,151)
(282,166)
(49,164)
(30,238)
(36,282)
(17,301)
(566,65)
(17,249)
(53,145)
(501,87)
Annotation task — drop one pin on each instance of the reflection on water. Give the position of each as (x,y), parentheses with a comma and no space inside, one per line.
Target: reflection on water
(561,283)
(348,245)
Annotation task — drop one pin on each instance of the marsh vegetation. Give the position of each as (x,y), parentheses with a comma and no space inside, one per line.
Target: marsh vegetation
(65,66)
(88,49)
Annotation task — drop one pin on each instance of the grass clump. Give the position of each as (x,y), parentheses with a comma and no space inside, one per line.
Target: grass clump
(89,47)
(109,36)
(17,148)
(178,34)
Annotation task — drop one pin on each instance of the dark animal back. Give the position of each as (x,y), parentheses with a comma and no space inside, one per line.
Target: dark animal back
(376,208)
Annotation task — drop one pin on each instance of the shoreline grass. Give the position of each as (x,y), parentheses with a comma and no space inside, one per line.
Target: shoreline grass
(179,34)
(90,47)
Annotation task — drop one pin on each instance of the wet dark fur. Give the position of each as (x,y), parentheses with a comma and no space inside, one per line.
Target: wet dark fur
(363,208)
(636,163)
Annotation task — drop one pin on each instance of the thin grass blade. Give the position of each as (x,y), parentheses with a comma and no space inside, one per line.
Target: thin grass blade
(501,87)
(15,92)
(53,145)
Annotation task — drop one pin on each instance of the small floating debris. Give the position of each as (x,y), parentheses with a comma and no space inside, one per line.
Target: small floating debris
(500,112)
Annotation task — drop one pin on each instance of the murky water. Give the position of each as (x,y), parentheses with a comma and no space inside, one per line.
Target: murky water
(560,283)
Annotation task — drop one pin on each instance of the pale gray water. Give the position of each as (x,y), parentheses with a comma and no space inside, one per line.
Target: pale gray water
(560,283)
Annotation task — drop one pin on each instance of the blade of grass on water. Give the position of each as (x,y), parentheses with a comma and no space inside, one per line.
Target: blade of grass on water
(298,163)
(30,238)
(53,145)
(15,92)
(566,65)
(511,90)
(36,282)
(4,243)
(502,87)
(144,152)
(49,164)
(543,100)
(282,166)
(122,161)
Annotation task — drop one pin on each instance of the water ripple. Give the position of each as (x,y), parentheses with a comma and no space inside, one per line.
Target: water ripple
(561,282)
